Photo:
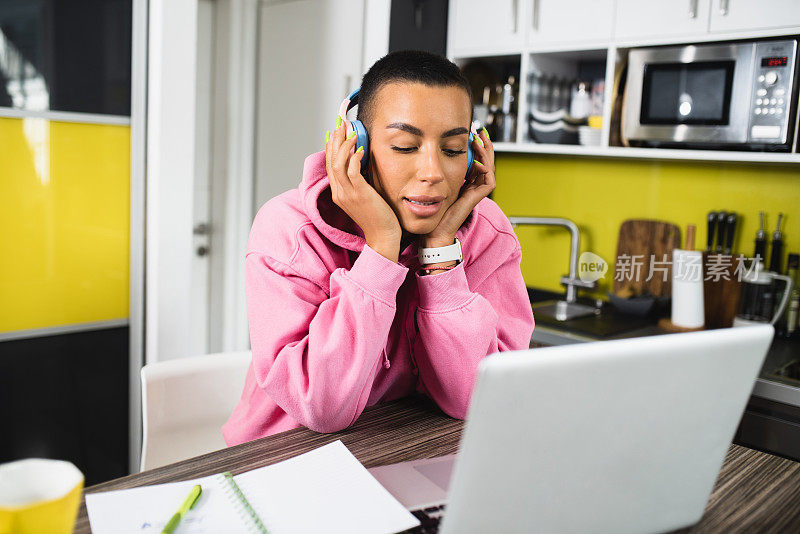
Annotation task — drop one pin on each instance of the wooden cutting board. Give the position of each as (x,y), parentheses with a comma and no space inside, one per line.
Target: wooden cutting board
(640,241)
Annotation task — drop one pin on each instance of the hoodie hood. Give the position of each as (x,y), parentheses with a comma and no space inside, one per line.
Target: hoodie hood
(330,219)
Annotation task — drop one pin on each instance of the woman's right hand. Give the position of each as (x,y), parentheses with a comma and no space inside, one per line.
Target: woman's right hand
(351,192)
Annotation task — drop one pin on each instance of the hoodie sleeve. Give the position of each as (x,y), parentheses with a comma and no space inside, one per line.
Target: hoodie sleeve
(316,355)
(458,326)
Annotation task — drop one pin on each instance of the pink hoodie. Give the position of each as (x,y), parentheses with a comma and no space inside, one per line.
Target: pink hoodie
(336,327)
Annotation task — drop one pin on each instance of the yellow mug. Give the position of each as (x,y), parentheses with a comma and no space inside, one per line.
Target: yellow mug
(38,495)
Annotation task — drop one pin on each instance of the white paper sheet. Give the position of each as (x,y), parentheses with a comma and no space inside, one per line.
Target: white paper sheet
(324,490)
(147,509)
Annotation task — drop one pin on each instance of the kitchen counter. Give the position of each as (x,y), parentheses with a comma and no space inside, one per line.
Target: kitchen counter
(771,421)
(608,324)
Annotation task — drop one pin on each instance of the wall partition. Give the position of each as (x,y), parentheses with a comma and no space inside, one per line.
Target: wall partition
(65,206)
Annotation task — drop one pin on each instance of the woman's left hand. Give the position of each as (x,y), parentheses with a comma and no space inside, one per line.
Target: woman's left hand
(479,184)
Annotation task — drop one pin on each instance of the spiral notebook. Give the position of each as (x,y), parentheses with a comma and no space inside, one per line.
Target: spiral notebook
(324,490)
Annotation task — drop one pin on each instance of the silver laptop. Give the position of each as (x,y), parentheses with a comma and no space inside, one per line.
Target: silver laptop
(614,436)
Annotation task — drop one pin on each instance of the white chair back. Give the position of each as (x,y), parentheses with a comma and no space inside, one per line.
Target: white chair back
(185,402)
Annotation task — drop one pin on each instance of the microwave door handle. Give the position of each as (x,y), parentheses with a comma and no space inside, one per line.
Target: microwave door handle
(723,7)
(692,9)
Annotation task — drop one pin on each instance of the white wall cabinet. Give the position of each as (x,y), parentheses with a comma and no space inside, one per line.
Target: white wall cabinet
(579,21)
(661,18)
(480,27)
(737,15)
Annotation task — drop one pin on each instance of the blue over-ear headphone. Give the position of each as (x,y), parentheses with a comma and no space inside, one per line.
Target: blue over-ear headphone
(362,138)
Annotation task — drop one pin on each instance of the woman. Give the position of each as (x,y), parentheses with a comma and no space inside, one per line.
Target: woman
(342,312)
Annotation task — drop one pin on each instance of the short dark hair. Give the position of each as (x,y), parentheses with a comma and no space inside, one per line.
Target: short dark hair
(408,66)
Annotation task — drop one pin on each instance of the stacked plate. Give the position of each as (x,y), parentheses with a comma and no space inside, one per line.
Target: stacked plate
(557,127)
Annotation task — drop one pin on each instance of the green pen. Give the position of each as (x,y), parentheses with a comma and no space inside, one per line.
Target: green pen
(187,505)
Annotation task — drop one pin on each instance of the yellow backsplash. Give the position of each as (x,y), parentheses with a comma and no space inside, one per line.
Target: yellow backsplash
(598,194)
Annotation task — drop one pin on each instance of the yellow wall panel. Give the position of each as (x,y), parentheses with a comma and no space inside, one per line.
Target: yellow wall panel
(64,223)
(598,194)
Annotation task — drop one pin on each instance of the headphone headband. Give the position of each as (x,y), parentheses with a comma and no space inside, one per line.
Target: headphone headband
(349,103)
(363,138)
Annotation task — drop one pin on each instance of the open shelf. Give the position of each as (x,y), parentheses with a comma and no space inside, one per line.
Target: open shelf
(549,84)
(492,77)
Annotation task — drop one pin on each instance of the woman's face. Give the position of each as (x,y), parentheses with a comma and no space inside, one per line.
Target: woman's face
(418,146)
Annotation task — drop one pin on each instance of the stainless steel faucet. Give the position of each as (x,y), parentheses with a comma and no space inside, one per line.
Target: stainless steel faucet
(568,308)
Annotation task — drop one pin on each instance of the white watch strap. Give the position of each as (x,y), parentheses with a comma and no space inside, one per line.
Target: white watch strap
(440,254)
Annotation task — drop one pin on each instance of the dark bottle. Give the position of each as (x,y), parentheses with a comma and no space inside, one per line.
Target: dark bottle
(508,128)
(787,325)
(778,286)
(494,119)
(777,248)
(761,240)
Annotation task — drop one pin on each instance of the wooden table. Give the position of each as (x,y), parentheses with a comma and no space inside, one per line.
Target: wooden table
(754,490)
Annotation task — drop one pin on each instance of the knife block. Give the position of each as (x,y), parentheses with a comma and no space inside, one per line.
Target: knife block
(721,296)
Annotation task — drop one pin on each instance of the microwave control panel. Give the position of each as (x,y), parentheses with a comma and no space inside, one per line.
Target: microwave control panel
(773,81)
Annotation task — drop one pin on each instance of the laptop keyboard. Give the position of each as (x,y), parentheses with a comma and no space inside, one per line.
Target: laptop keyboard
(429,519)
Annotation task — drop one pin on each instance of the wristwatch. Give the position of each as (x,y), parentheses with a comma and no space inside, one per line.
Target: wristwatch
(440,254)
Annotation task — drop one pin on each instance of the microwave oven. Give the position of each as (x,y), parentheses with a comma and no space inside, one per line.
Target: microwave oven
(740,96)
